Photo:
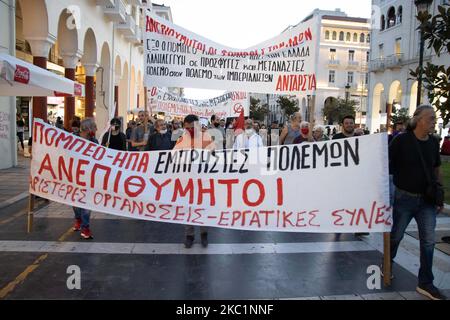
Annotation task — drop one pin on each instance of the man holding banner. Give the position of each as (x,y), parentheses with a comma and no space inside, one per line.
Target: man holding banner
(194,138)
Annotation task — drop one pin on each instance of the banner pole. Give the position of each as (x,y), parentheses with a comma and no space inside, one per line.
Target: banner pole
(387,259)
(30,212)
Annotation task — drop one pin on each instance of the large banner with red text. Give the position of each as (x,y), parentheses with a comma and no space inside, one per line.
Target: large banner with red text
(228,105)
(176,57)
(331,186)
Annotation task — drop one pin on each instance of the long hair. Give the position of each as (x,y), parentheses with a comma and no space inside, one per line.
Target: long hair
(412,123)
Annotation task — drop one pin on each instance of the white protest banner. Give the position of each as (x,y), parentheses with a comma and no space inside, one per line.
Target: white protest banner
(227,105)
(331,186)
(176,57)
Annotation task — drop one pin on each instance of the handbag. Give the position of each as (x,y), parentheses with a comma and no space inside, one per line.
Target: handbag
(434,192)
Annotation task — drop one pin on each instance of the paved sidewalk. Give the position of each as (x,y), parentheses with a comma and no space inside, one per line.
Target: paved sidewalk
(14,182)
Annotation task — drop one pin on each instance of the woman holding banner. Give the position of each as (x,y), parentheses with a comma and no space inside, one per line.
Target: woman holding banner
(82,216)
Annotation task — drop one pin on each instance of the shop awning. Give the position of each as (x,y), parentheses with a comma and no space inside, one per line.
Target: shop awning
(23,79)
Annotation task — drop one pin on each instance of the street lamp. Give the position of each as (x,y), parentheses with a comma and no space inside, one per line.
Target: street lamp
(347,92)
(422,8)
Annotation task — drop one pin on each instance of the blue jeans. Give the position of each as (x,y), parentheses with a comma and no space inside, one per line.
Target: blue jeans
(84,215)
(406,207)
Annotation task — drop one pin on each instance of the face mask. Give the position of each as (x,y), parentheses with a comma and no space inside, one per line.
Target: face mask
(191,131)
(249,131)
(163,131)
(305,131)
(116,127)
(216,125)
(92,134)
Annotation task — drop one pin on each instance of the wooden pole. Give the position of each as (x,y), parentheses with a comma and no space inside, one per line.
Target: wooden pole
(387,259)
(30,213)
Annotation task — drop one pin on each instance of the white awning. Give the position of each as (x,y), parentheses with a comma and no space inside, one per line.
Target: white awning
(23,79)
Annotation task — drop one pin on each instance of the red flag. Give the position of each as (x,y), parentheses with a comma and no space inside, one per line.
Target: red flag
(240,122)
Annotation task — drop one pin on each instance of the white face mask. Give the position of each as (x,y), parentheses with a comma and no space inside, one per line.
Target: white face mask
(163,131)
(249,131)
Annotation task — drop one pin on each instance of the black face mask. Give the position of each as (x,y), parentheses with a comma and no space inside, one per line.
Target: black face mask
(216,124)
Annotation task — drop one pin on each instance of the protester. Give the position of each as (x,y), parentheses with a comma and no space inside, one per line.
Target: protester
(177,130)
(274,134)
(291,130)
(59,123)
(75,126)
(130,127)
(193,138)
(348,128)
(399,128)
(217,133)
(20,123)
(161,139)
(114,138)
(304,133)
(414,162)
(140,134)
(348,131)
(318,134)
(249,138)
(88,129)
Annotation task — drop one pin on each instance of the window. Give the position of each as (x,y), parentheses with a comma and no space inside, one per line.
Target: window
(398,48)
(391,17)
(351,55)
(355,37)
(399,14)
(327,35)
(368,38)
(331,76)
(367,56)
(334,35)
(383,22)
(341,36)
(366,79)
(362,38)
(348,37)
(332,54)
(350,77)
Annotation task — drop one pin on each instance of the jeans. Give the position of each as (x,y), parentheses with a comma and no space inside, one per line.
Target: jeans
(84,215)
(406,207)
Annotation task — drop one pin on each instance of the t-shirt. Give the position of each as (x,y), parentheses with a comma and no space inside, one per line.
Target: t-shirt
(138,134)
(405,164)
(340,135)
(116,142)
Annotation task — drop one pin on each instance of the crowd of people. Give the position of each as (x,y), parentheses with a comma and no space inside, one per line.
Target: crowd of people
(414,163)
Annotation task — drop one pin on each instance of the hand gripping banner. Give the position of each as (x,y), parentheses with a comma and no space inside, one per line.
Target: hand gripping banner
(332,186)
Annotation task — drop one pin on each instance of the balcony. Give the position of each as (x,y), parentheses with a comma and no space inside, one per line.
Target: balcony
(104,3)
(364,66)
(353,64)
(136,2)
(333,63)
(377,65)
(394,61)
(128,28)
(116,12)
(136,38)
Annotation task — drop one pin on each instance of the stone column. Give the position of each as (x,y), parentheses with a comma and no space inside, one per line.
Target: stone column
(70,64)
(89,89)
(40,49)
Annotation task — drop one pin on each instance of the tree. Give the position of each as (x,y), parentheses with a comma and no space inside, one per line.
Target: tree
(335,112)
(288,105)
(400,115)
(257,111)
(436,78)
